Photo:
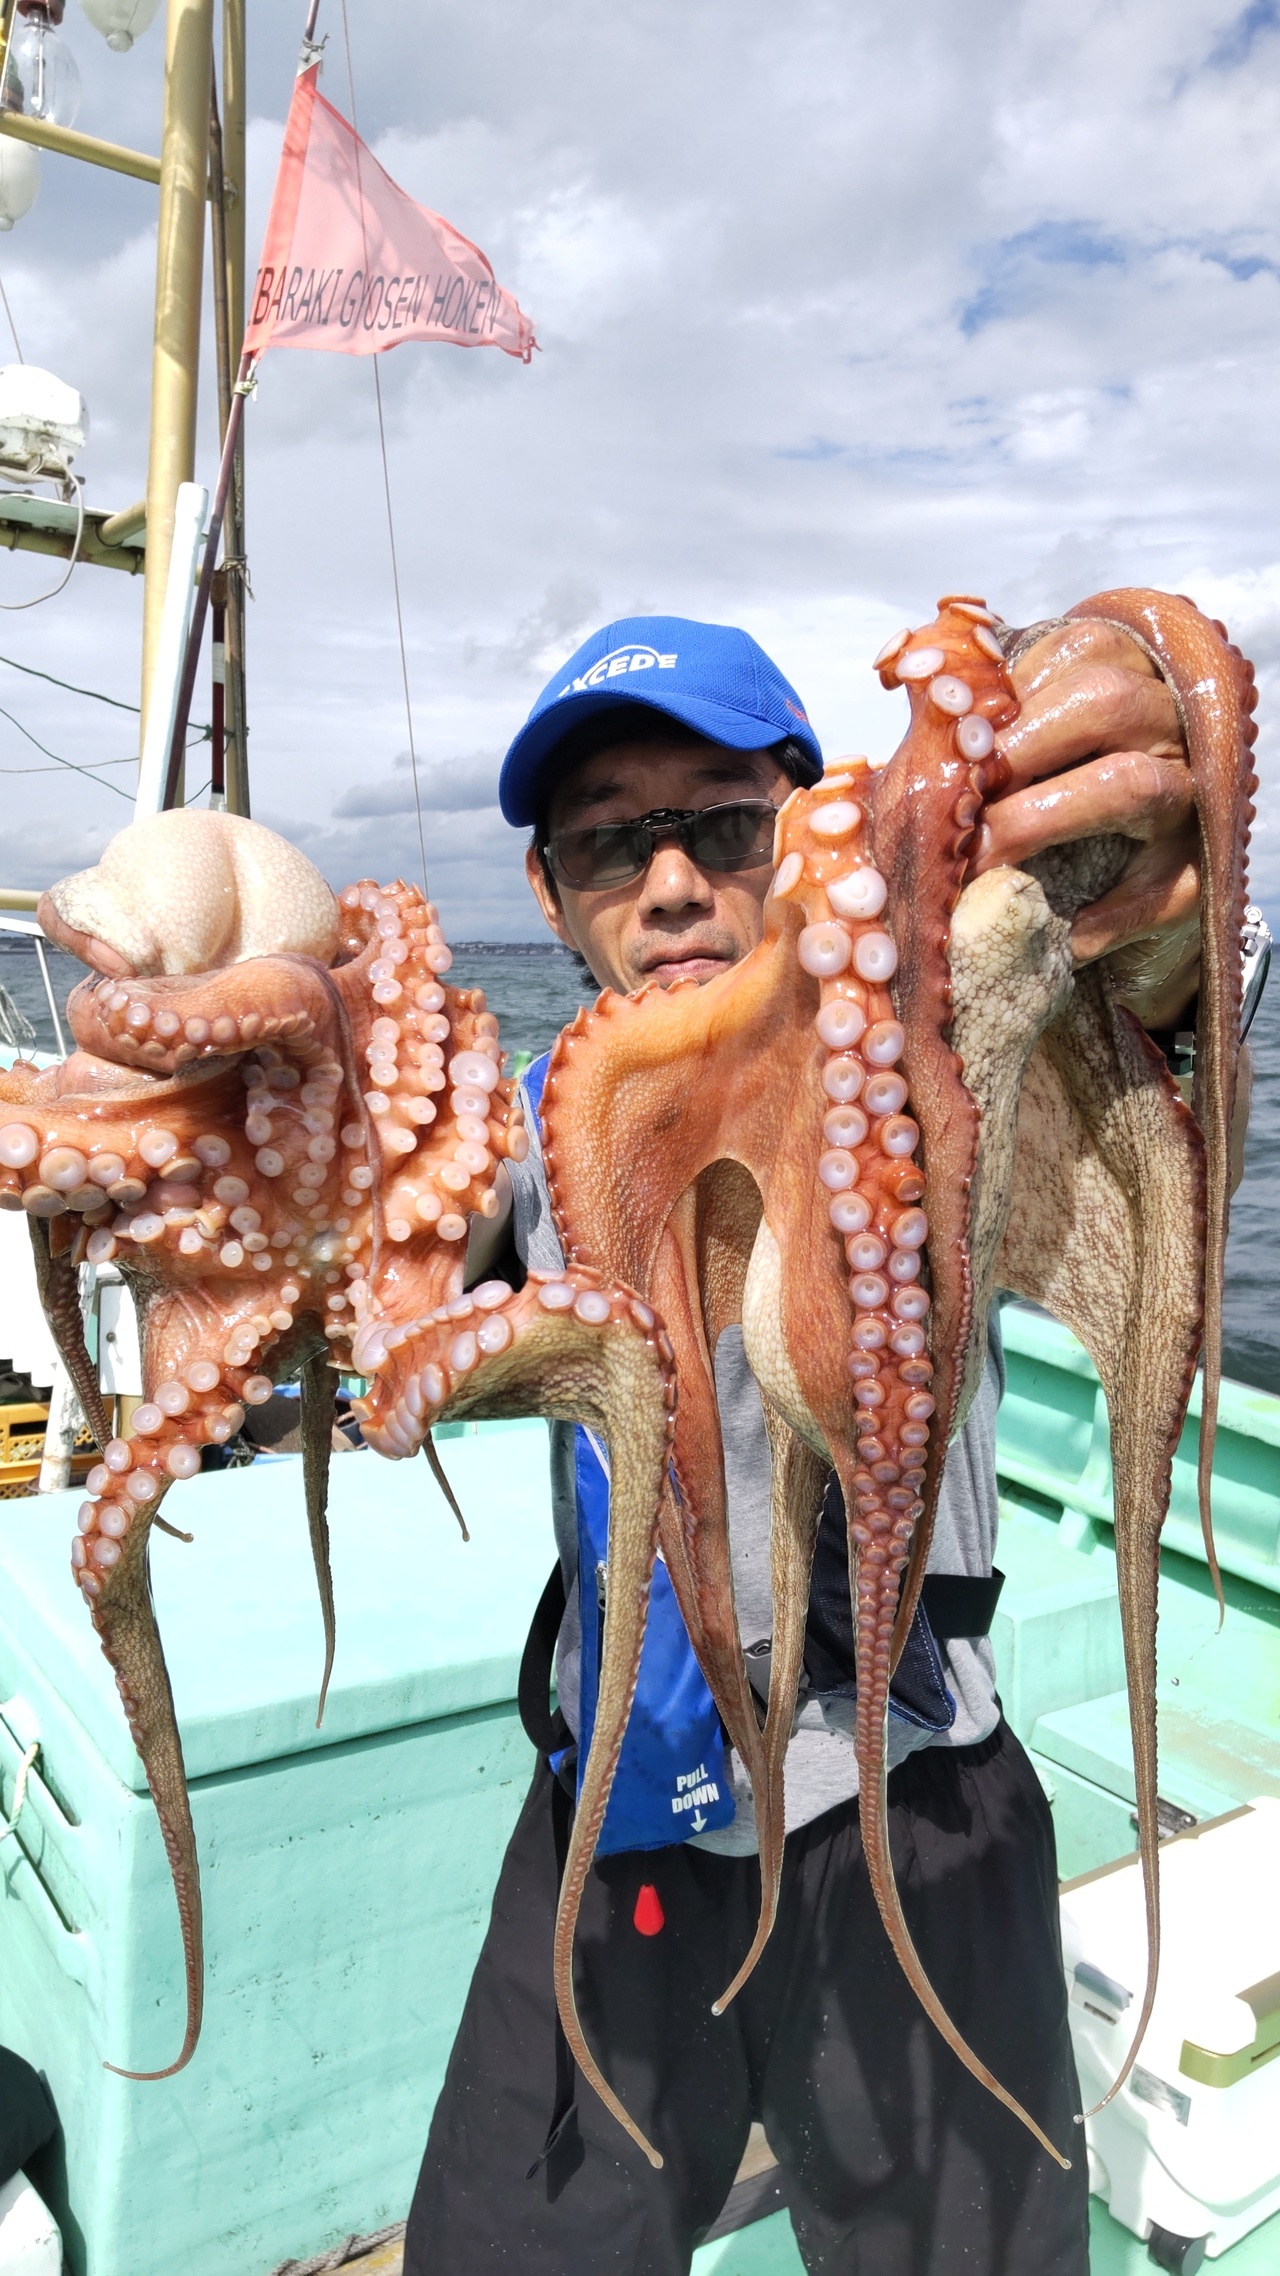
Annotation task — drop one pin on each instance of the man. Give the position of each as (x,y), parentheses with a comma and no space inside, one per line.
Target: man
(648,772)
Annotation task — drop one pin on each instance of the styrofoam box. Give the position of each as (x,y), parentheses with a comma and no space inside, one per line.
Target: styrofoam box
(347,1872)
(1186,2144)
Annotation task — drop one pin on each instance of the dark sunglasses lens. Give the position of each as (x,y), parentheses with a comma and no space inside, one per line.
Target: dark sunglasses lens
(605,856)
(732,837)
(738,836)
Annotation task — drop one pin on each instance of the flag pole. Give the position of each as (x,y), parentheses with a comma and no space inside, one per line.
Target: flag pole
(226,468)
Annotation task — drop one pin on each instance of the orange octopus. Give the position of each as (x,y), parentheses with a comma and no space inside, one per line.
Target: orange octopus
(902,1098)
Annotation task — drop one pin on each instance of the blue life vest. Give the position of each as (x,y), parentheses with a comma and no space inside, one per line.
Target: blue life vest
(671,1781)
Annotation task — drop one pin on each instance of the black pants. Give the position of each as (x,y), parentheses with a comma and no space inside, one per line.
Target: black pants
(896,2162)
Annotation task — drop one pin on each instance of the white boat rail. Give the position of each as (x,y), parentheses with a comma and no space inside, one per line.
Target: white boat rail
(30,930)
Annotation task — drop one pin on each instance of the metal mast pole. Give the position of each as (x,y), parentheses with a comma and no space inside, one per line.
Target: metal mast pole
(221,505)
(234,111)
(184,169)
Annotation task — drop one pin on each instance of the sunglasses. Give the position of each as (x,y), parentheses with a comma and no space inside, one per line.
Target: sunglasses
(736,836)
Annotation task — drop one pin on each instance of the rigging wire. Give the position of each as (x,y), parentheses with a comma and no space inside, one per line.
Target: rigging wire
(117,702)
(12,326)
(90,769)
(85,771)
(203,732)
(386,482)
(95,765)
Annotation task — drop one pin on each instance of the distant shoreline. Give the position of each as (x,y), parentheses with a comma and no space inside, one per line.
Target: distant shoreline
(553,948)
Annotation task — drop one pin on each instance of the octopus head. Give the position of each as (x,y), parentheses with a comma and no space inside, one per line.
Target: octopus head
(189,891)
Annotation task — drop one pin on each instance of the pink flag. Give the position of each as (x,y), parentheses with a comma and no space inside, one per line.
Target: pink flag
(351,262)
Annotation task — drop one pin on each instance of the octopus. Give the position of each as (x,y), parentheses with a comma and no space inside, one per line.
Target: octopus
(903,1099)
(283,1154)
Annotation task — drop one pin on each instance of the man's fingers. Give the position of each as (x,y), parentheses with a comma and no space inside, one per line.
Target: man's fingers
(1159,895)
(1130,794)
(1075,647)
(1097,708)
(1098,750)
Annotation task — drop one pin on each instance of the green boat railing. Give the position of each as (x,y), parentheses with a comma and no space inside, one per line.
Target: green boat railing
(1054,1444)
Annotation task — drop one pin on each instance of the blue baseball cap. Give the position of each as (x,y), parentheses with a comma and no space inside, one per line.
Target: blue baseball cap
(712,678)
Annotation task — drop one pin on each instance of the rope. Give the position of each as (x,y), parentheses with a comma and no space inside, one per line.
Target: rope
(19,1797)
(386,478)
(355,2248)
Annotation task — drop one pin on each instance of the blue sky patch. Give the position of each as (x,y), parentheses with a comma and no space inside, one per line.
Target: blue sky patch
(1235,44)
(1011,263)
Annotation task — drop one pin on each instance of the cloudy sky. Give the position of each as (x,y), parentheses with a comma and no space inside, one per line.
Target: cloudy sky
(839,306)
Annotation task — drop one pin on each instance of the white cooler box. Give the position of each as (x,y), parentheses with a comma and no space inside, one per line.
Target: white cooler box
(1191,2144)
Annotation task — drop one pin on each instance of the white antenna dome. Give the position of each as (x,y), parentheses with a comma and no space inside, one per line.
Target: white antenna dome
(43,422)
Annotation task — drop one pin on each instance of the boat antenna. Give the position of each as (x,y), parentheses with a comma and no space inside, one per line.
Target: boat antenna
(386,478)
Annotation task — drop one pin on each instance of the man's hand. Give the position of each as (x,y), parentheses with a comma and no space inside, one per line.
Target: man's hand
(1098,749)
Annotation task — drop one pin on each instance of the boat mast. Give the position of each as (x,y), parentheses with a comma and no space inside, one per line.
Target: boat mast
(175,361)
(233,168)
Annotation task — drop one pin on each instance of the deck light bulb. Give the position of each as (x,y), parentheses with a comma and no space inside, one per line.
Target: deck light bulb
(42,78)
(120,22)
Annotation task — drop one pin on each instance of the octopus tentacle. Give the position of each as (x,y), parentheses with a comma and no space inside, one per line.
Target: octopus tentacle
(618,1078)
(573,1348)
(634,1402)
(1214,686)
(883,1472)
(1099,1105)
(316,1417)
(798,1481)
(164,1024)
(192,1407)
(437,1469)
(665,1240)
(924,807)
(58,1286)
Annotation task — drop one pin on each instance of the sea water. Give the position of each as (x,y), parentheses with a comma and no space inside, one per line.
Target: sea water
(535,989)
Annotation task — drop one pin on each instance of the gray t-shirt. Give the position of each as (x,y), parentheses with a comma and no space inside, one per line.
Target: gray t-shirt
(820,1768)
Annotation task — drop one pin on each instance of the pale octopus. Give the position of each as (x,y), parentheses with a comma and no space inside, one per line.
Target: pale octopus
(902,1099)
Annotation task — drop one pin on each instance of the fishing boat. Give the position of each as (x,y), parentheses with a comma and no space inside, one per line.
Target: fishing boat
(348,1870)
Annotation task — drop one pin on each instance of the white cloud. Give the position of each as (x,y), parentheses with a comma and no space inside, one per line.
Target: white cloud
(838,308)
